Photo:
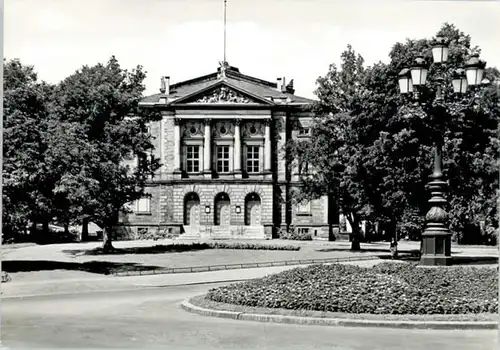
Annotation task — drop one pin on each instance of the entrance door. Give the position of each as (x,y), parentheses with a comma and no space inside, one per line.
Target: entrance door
(253,210)
(222,210)
(192,211)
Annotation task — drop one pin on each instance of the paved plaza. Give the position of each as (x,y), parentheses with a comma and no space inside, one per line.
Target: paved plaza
(150,318)
(99,311)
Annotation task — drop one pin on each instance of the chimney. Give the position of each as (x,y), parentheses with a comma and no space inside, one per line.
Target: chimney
(279,84)
(165,85)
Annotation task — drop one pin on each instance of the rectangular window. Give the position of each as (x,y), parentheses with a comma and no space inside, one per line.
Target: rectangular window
(253,159)
(193,159)
(304,131)
(222,159)
(303,230)
(144,205)
(304,207)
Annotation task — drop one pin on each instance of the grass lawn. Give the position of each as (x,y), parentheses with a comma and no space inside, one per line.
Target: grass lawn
(79,260)
(70,261)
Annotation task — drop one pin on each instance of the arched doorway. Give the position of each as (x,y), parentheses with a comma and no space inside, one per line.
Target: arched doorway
(222,212)
(252,210)
(192,209)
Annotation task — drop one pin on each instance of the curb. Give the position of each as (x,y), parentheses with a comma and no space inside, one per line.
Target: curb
(118,290)
(194,269)
(345,322)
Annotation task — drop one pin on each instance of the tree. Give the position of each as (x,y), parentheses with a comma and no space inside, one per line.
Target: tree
(384,142)
(99,105)
(27,194)
(332,155)
(470,138)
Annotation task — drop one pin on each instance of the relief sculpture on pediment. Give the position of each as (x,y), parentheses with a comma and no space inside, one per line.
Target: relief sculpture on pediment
(192,128)
(223,95)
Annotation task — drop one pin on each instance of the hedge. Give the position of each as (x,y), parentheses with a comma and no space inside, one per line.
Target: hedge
(186,247)
(387,288)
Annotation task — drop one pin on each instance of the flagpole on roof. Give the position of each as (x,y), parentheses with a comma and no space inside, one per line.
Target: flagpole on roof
(225,5)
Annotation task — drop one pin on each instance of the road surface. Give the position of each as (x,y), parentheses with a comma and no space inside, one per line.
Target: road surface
(150,318)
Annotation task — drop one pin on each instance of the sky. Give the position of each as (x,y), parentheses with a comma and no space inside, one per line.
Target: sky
(183,39)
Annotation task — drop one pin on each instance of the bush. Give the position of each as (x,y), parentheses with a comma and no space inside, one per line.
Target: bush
(254,246)
(183,247)
(155,234)
(384,289)
(293,234)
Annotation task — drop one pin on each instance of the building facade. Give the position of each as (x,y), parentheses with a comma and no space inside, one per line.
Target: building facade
(224,173)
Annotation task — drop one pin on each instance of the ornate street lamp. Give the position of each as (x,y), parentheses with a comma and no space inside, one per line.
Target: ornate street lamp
(436,238)
(459,81)
(474,68)
(405,82)
(419,71)
(440,49)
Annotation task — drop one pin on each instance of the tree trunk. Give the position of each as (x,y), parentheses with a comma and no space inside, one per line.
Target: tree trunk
(85,230)
(45,228)
(356,241)
(333,216)
(391,231)
(107,239)
(356,232)
(331,234)
(33,230)
(45,234)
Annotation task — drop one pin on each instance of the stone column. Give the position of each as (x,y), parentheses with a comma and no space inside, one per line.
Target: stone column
(237,148)
(207,150)
(177,146)
(267,146)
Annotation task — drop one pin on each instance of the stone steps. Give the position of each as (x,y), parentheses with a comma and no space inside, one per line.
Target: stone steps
(223,232)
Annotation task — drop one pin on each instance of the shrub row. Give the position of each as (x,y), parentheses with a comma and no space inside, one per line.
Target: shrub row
(254,246)
(184,247)
(295,235)
(384,289)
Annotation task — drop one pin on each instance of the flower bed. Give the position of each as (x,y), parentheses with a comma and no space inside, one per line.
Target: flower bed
(384,289)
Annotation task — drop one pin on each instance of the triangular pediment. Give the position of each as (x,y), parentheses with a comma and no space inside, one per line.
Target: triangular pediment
(222,94)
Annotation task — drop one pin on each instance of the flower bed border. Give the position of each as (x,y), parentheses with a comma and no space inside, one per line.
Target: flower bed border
(202,306)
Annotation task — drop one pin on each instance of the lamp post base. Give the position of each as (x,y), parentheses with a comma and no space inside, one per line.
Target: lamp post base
(436,249)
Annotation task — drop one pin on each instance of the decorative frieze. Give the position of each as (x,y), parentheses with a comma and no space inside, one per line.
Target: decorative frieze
(193,128)
(223,95)
(223,129)
(252,129)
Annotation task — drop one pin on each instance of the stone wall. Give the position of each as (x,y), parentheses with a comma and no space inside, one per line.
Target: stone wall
(277,209)
(236,192)
(280,137)
(168,143)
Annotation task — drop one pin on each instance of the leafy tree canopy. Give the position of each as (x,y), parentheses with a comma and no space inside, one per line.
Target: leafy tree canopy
(372,147)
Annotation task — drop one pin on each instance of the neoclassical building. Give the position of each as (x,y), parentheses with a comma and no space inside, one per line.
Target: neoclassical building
(224,172)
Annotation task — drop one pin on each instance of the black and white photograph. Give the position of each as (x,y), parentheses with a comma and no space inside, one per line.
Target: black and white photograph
(231,174)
